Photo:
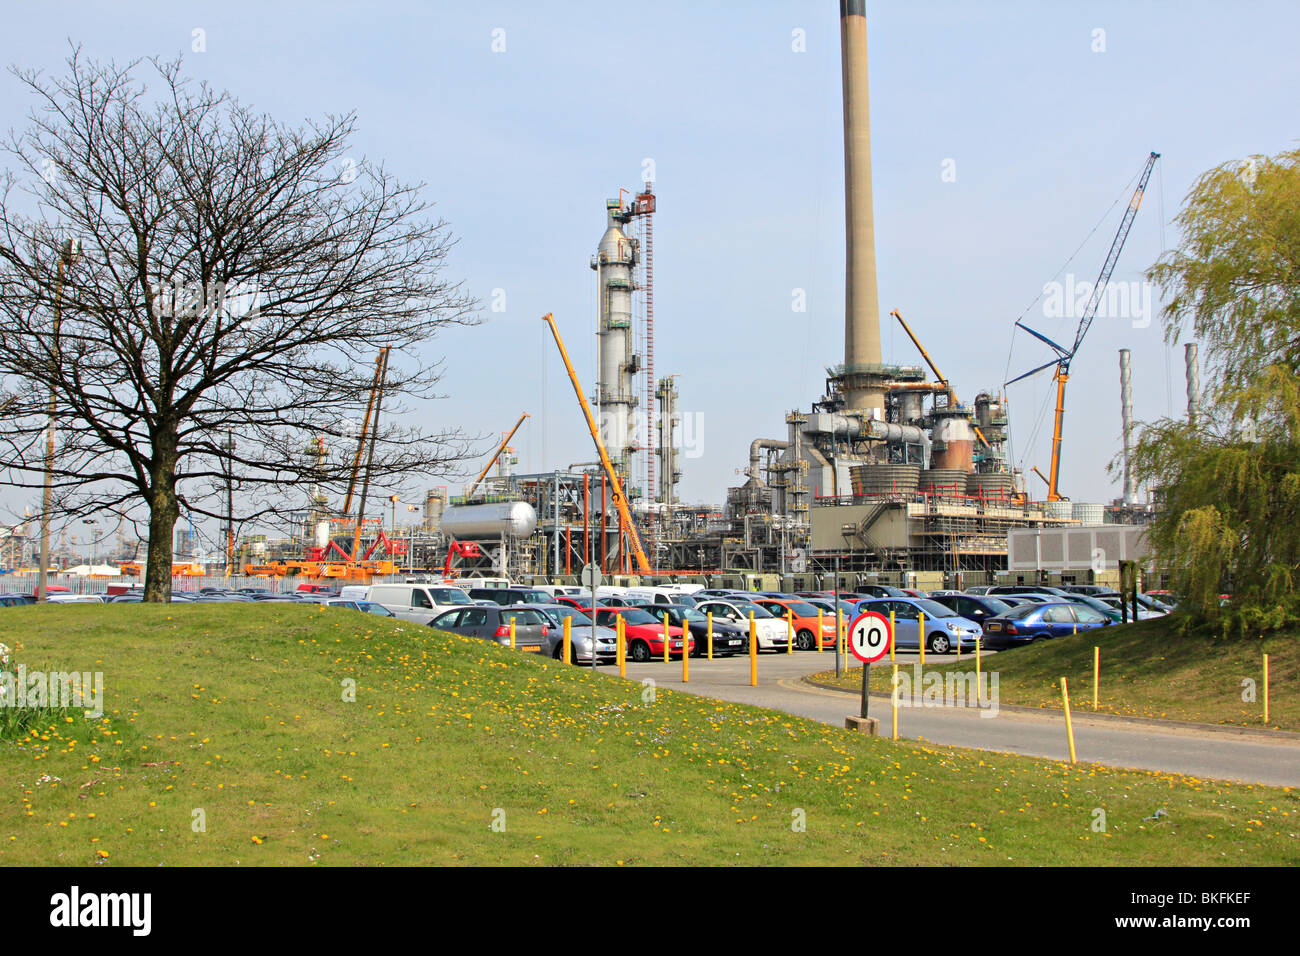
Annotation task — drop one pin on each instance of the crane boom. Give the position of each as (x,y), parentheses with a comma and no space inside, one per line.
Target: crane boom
(497,454)
(624,515)
(1065,356)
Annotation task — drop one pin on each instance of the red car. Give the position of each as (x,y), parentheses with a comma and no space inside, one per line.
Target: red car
(645,633)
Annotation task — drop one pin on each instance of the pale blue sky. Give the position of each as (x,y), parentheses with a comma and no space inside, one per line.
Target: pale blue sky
(520,149)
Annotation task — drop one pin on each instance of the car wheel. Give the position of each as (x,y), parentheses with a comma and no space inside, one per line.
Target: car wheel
(804,640)
(640,651)
(939,643)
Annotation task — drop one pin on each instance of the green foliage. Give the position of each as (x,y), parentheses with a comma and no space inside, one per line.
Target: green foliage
(1229,481)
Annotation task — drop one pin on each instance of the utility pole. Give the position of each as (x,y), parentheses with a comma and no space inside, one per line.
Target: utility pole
(68,252)
(230,502)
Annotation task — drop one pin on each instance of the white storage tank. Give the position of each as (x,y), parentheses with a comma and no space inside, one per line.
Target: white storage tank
(514,519)
(1088,513)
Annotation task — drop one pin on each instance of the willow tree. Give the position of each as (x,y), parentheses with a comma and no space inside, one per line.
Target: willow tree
(193,293)
(1228,476)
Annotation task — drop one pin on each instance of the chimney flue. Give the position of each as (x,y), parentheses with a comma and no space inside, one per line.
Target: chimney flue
(1193,381)
(1126,424)
(862,353)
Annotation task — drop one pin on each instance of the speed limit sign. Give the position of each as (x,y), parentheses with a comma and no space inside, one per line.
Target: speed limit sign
(869,636)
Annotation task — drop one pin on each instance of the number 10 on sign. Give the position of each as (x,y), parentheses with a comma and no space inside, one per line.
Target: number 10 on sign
(869,637)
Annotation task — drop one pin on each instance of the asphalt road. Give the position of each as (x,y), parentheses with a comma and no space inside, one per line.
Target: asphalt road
(1209,754)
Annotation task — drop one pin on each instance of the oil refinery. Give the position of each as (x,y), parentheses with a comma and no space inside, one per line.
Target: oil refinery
(893,473)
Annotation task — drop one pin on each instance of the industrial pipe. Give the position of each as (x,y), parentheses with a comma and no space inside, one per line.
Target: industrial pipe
(756,453)
(1193,381)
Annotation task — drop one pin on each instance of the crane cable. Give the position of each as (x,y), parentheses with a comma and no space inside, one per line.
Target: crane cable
(1011,345)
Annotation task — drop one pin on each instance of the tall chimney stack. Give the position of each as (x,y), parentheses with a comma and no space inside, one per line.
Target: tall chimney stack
(862,356)
(1193,381)
(1126,424)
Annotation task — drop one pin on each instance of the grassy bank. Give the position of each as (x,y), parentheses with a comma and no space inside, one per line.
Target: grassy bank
(1147,670)
(227,739)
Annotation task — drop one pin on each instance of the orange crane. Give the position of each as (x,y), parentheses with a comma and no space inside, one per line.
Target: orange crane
(1064,356)
(624,515)
(492,461)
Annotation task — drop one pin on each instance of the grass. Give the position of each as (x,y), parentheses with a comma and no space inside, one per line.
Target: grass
(227,739)
(1147,670)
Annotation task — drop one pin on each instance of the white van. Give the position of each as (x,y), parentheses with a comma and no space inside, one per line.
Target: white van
(419,603)
(354,592)
(660,595)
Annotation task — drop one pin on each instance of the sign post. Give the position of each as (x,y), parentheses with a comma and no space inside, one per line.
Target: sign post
(870,638)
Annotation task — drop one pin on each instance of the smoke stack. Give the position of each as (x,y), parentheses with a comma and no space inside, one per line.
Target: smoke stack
(1126,423)
(861,381)
(1193,381)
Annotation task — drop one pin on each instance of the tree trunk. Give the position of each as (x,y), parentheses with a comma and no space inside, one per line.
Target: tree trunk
(163,512)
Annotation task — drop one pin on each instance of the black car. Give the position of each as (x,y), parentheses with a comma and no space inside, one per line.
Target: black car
(977,608)
(880,591)
(727,638)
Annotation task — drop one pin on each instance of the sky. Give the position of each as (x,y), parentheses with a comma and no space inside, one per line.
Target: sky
(1005,136)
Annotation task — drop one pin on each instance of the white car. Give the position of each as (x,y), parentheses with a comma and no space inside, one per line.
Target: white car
(771,631)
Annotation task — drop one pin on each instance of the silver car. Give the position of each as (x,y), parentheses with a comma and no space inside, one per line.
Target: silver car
(579,634)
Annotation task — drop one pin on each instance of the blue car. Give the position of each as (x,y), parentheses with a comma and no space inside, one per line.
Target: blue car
(944,628)
(1026,623)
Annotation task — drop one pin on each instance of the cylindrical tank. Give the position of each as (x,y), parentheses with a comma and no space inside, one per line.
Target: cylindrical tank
(1087,512)
(1061,510)
(943,483)
(958,438)
(514,519)
(322,534)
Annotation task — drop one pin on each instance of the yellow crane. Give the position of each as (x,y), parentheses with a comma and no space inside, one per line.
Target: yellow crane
(624,515)
(952,396)
(497,454)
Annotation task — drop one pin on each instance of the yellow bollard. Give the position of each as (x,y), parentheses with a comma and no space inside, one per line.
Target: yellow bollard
(839,630)
(891,635)
(1266,688)
(753,651)
(789,632)
(920,637)
(1096,674)
(893,702)
(512,633)
(710,635)
(620,641)
(1069,726)
(666,639)
(820,630)
(686,652)
(979,692)
(958,647)
(568,642)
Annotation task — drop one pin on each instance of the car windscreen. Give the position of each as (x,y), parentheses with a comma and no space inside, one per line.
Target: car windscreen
(449,596)
(802,609)
(934,608)
(634,615)
(995,606)
(745,607)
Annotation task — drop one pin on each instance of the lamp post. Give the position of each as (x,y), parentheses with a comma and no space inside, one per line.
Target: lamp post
(68,253)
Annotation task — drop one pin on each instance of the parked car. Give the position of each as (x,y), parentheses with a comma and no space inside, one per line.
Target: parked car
(728,638)
(848,609)
(644,632)
(419,603)
(916,593)
(1093,589)
(881,591)
(1026,589)
(944,628)
(1147,608)
(804,618)
(1087,600)
(532,627)
(979,589)
(508,596)
(973,607)
(370,607)
(736,610)
(580,635)
(13,600)
(1031,622)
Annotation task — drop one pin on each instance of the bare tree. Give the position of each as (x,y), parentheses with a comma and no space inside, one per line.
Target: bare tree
(235,278)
